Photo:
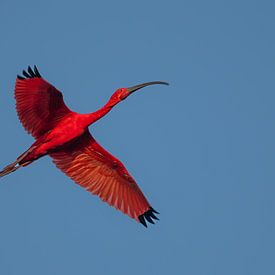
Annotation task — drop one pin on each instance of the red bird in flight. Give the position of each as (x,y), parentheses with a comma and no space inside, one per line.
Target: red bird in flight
(64,135)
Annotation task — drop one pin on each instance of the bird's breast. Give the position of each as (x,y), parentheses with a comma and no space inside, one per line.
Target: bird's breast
(65,131)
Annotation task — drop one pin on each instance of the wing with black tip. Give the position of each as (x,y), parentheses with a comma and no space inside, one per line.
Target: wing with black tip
(39,105)
(100,173)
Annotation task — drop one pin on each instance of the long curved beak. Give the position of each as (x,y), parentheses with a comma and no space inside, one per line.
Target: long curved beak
(137,87)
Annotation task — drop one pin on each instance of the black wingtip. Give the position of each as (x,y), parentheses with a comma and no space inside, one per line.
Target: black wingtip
(30,73)
(142,220)
(26,74)
(153,210)
(154,216)
(148,216)
(36,71)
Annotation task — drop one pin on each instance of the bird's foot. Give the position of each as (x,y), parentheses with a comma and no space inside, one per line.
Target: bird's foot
(9,169)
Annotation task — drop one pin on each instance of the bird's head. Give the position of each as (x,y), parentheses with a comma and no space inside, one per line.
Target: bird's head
(122,93)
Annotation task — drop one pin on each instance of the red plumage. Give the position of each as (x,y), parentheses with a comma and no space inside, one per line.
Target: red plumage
(64,135)
(39,105)
(100,173)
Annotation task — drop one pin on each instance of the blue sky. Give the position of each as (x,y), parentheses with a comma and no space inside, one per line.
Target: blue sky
(201,149)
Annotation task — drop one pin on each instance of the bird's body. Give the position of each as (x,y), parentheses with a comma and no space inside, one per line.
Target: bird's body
(66,130)
(64,135)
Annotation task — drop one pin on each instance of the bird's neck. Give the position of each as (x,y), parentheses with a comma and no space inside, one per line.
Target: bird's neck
(93,117)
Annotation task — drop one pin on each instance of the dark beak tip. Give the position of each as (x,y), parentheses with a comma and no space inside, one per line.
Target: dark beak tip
(137,87)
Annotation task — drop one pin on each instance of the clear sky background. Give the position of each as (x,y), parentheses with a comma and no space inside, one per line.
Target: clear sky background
(201,149)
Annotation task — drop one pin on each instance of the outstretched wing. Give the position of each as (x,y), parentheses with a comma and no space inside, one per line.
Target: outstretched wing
(39,105)
(100,173)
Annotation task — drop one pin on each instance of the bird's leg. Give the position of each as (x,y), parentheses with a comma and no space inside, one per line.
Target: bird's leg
(15,165)
(21,157)
(9,169)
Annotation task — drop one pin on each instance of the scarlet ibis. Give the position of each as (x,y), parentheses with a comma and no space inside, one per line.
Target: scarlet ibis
(64,136)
